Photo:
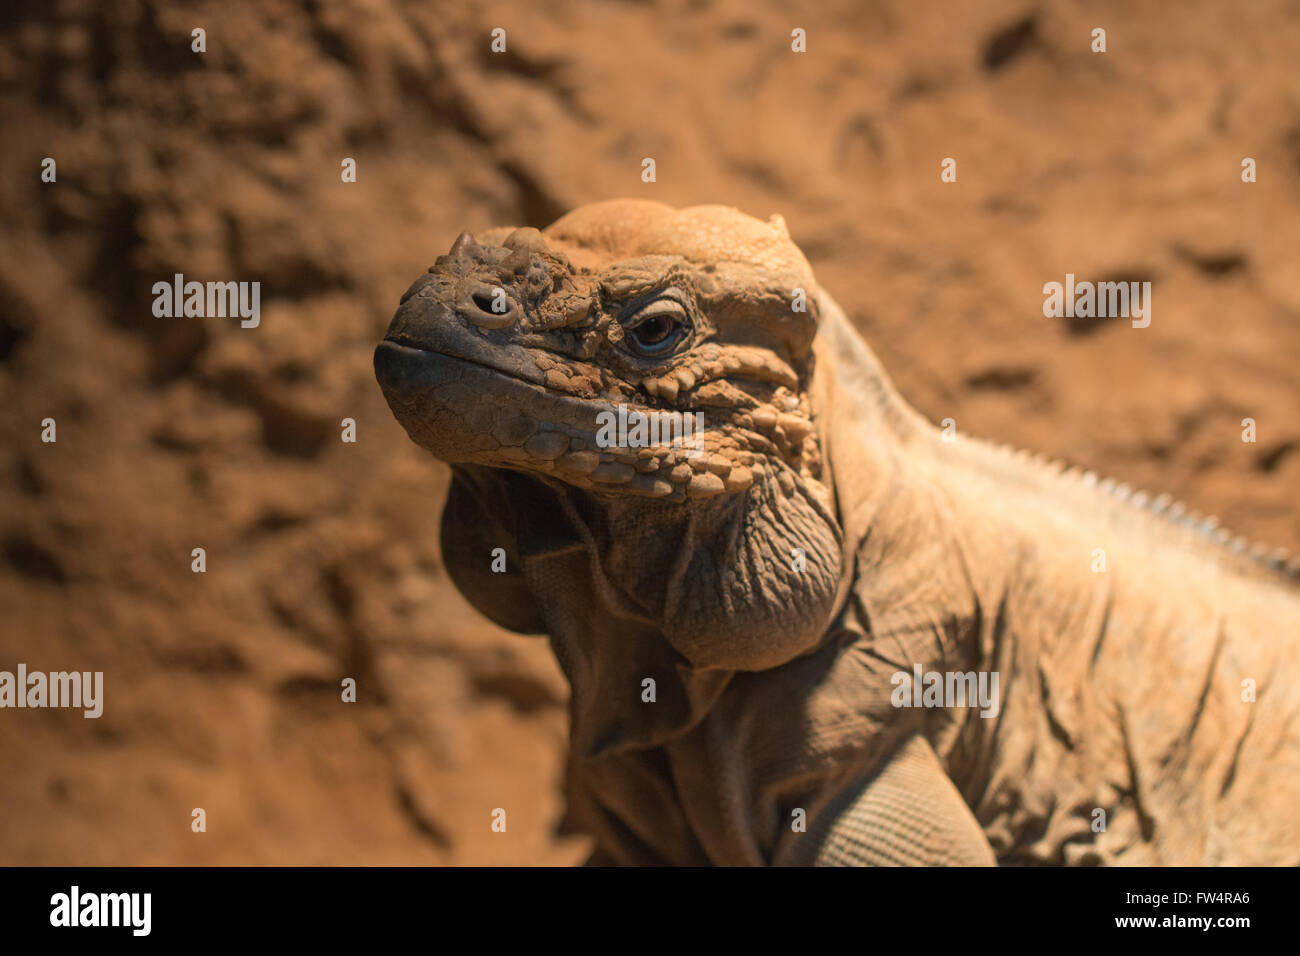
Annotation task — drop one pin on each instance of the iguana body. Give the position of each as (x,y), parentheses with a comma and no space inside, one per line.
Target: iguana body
(827,539)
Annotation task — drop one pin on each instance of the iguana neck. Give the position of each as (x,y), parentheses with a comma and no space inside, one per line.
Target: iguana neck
(905,560)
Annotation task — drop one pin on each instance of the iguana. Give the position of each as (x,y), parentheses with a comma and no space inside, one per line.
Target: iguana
(735,615)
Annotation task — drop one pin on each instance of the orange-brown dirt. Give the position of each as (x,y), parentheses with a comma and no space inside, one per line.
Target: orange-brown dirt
(222,689)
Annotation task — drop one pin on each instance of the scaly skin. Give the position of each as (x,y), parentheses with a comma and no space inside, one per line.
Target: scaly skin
(826,538)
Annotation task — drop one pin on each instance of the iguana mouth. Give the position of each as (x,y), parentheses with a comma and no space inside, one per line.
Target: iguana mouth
(391,376)
(411,370)
(466,411)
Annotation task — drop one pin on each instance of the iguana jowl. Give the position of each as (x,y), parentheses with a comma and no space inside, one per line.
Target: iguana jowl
(825,540)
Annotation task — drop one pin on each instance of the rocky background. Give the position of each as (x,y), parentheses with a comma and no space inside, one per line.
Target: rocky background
(222,689)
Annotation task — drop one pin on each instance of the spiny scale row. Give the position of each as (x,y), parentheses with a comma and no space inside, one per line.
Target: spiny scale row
(1277,559)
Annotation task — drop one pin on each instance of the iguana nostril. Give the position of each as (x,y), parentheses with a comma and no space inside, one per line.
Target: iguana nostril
(488,307)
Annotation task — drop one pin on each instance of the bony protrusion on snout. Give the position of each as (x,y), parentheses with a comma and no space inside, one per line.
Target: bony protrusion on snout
(526,238)
(464,246)
(465,252)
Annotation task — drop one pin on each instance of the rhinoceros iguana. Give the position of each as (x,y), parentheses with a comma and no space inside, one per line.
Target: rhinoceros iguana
(749,614)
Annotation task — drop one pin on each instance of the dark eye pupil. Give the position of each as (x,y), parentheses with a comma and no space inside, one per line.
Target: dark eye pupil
(654,330)
(656,326)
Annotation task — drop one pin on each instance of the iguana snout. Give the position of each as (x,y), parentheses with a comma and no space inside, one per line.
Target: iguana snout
(470,362)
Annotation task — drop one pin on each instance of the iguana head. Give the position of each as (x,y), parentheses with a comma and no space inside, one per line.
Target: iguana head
(657,361)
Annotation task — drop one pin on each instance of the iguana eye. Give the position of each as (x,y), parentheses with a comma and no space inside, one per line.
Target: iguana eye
(658,326)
